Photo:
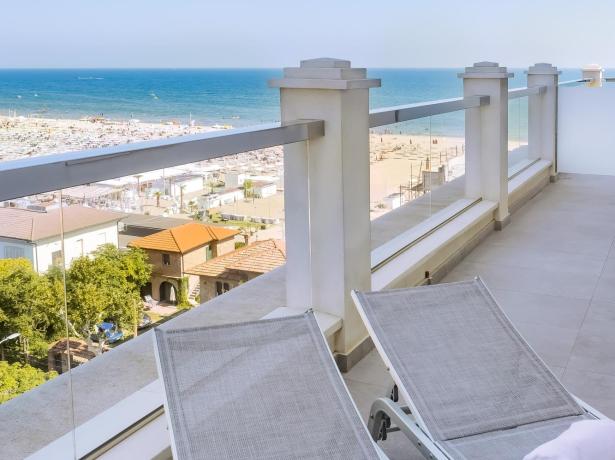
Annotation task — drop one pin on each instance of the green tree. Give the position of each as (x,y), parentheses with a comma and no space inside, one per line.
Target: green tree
(248,188)
(106,286)
(30,304)
(157,194)
(17,378)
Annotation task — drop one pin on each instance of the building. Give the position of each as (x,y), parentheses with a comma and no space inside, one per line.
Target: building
(234,179)
(135,226)
(174,251)
(187,183)
(222,274)
(217,199)
(263,189)
(37,235)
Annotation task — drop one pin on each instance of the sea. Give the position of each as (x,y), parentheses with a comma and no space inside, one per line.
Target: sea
(237,97)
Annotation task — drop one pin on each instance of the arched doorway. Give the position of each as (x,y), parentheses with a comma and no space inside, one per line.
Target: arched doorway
(168,292)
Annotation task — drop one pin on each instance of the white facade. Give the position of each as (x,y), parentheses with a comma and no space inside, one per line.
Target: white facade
(191,184)
(265,190)
(44,253)
(585,135)
(234,179)
(215,200)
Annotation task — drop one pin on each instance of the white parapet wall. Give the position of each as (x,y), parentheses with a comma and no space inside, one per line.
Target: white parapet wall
(585,131)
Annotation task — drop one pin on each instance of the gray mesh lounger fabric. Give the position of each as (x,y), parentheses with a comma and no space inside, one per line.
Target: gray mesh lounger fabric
(261,390)
(460,362)
(513,444)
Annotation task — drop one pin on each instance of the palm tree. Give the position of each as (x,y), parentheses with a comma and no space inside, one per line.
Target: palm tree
(138,177)
(247,188)
(157,194)
(181,196)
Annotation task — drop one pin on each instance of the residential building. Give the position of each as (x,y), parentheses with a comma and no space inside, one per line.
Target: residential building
(223,273)
(37,235)
(135,226)
(217,199)
(172,252)
(264,189)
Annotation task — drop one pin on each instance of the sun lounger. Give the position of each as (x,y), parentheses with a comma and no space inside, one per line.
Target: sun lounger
(474,388)
(266,389)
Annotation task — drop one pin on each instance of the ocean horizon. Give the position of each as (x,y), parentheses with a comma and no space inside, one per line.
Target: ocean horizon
(237,97)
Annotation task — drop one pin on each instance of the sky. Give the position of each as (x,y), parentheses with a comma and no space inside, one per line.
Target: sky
(270,33)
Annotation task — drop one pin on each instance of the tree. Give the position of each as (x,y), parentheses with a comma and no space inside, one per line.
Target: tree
(181,197)
(248,188)
(157,194)
(17,378)
(106,286)
(30,304)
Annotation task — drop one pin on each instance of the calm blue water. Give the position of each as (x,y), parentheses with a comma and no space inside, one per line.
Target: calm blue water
(238,97)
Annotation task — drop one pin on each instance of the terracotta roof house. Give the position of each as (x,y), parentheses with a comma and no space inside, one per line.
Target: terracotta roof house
(228,271)
(36,235)
(174,251)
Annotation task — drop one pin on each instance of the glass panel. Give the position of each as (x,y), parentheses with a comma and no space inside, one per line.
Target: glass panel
(517,135)
(34,321)
(416,172)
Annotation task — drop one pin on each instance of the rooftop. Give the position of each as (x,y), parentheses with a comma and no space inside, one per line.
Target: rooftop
(27,225)
(184,238)
(258,257)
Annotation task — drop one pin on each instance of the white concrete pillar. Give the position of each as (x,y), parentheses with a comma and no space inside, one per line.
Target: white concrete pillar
(542,115)
(486,134)
(326,192)
(594,73)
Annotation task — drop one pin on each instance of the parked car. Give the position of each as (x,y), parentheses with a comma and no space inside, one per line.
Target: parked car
(110,331)
(146,320)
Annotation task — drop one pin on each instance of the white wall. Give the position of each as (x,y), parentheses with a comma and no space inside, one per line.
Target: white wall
(586,130)
(92,239)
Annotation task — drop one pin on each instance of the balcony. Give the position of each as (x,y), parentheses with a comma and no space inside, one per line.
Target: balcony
(549,260)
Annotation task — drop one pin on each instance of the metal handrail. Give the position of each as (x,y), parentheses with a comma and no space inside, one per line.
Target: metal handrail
(397,114)
(570,82)
(525,91)
(42,174)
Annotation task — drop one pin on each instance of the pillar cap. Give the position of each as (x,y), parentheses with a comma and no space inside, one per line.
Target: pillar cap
(325,73)
(592,68)
(486,69)
(542,68)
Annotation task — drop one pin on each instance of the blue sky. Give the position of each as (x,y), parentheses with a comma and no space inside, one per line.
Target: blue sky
(260,33)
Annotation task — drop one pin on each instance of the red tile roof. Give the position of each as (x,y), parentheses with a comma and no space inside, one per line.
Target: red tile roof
(260,257)
(183,238)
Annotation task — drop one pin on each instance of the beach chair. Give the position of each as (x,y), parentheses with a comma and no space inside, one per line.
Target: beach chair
(266,389)
(150,302)
(473,388)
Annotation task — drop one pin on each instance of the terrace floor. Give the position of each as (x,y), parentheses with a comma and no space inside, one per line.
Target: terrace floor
(552,269)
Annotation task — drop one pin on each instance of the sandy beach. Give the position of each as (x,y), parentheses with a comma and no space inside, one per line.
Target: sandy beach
(406,165)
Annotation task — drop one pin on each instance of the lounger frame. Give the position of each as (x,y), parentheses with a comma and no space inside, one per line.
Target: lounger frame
(407,419)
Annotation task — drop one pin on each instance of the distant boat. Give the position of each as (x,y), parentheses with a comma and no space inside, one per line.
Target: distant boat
(19,96)
(153,95)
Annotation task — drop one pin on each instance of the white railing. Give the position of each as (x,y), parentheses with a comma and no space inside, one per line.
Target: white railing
(326,169)
(30,176)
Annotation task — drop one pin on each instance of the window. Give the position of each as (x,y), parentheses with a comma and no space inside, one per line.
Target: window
(166,259)
(56,258)
(78,248)
(208,252)
(221,287)
(13,252)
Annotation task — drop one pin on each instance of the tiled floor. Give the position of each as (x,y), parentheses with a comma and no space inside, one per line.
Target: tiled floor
(553,271)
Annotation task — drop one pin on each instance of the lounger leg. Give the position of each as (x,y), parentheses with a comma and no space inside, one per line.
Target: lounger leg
(385,410)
